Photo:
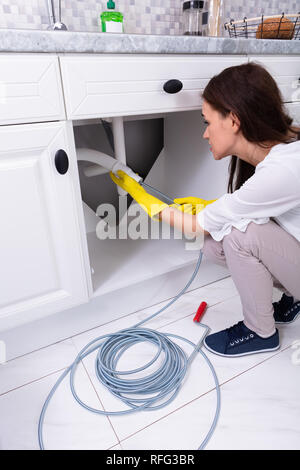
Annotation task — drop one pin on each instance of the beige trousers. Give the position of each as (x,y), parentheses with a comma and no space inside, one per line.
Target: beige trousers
(261,257)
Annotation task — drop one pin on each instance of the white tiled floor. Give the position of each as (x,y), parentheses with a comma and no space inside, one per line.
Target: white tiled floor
(259,393)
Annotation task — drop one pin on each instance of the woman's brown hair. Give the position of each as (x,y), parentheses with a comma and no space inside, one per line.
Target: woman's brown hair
(251,93)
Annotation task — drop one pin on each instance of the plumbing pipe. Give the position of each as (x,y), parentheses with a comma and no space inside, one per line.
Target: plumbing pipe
(103,163)
(94,170)
(108,163)
(95,156)
(119,144)
(119,139)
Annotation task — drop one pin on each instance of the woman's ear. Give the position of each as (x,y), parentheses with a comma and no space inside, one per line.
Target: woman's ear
(235,122)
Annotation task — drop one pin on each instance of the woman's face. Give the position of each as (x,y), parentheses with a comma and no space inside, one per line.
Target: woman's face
(221,132)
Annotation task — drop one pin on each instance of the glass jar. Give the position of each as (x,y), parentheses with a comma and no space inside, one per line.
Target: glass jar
(195,18)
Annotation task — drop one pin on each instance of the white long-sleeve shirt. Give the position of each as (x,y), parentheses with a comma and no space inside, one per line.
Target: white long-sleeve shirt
(273,191)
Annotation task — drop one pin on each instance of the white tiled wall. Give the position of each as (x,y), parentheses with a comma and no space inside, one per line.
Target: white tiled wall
(140,16)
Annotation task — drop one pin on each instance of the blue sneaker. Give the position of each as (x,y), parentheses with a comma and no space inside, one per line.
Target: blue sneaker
(286,310)
(238,340)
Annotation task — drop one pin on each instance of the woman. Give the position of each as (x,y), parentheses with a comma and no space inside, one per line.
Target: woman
(254,229)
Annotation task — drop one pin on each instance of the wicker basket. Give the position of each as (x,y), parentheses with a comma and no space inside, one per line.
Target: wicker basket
(266,27)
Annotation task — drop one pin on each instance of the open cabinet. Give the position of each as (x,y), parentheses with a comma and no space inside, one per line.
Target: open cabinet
(144,261)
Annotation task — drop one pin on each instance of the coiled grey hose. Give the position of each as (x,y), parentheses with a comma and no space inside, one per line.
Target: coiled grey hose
(157,389)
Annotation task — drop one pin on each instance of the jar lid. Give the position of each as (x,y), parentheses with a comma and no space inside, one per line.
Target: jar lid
(193,4)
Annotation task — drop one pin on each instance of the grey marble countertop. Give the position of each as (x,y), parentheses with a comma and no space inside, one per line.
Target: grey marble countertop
(21,40)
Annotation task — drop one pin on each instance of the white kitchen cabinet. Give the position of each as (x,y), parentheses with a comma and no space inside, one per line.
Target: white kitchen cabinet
(123,85)
(42,267)
(51,257)
(30,89)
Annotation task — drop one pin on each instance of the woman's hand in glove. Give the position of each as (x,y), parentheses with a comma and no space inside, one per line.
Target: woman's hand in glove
(149,203)
(191,205)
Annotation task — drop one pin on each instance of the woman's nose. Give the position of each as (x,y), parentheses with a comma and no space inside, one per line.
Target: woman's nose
(205,135)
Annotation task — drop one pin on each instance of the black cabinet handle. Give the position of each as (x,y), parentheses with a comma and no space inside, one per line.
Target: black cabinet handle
(61,161)
(173,86)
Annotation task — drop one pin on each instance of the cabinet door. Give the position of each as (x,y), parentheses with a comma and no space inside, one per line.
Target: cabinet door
(42,267)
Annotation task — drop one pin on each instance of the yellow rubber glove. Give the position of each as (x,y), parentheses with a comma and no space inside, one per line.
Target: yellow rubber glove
(149,203)
(191,205)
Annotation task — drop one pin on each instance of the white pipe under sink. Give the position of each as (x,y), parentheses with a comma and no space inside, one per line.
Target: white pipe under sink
(104,163)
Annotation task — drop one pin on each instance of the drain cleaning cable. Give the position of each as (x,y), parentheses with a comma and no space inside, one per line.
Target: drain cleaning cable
(157,386)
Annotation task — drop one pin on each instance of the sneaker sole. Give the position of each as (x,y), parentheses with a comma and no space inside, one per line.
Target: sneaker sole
(243,354)
(286,322)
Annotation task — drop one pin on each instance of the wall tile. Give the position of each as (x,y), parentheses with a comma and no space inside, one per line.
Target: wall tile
(140,16)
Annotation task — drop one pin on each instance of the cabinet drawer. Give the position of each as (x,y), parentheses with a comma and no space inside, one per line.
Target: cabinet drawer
(30,89)
(286,71)
(112,85)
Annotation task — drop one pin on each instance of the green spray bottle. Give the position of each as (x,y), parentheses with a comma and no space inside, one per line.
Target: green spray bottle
(111,21)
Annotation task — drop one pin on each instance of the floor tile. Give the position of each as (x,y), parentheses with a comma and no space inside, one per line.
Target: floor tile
(259,410)
(184,429)
(250,386)
(117,447)
(214,292)
(67,425)
(30,367)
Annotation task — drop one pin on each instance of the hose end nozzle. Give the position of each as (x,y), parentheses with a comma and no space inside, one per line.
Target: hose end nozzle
(121,166)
